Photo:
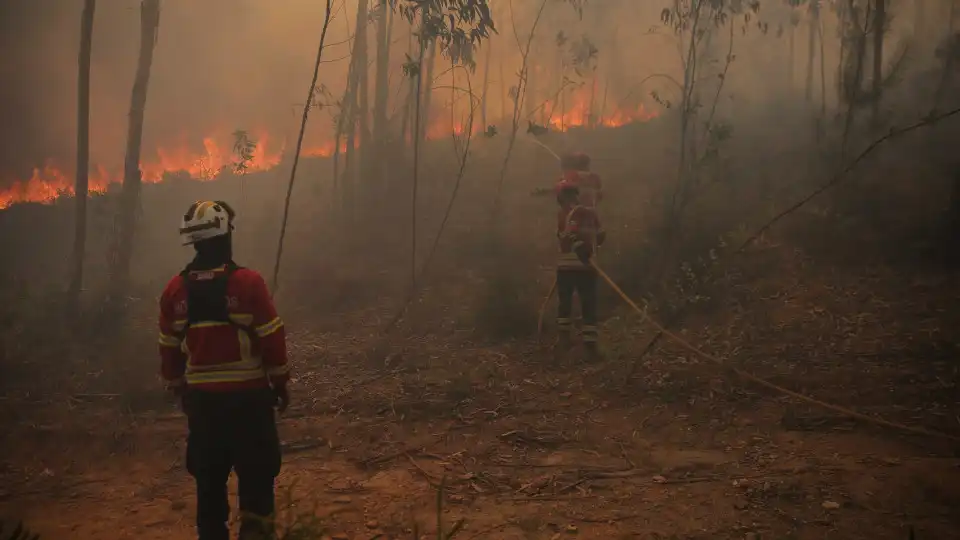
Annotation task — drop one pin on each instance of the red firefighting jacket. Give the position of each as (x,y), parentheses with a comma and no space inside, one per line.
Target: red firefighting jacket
(576,225)
(238,344)
(588,183)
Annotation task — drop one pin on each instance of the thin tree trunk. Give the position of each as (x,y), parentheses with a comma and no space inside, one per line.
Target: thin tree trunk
(591,116)
(132,176)
(792,61)
(814,23)
(823,67)
(425,91)
(603,101)
(503,94)
(296,155)
(405,131)
(879,31)
(486,85)
(418,119)
(381,92)
(344,119)
(81,186)
(363,95)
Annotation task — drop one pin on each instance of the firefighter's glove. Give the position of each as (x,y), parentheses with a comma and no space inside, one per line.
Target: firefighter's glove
(582,249)
(282,396)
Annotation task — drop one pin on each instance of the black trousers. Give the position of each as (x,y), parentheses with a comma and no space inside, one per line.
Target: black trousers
(233,431)
(583,282)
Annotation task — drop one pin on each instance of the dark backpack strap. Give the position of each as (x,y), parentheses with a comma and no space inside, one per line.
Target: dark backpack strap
(207,299)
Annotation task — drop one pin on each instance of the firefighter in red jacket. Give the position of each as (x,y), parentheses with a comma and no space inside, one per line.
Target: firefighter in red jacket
(579,233)
(575,169)
(223,351)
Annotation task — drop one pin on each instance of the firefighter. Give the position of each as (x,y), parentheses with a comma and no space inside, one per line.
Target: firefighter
(223,352)
(579,233)
(575,168)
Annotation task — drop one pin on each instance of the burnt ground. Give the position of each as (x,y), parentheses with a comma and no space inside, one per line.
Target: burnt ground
(531,446)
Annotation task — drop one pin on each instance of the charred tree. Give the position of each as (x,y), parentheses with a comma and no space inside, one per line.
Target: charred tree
(81,187)
(132,175)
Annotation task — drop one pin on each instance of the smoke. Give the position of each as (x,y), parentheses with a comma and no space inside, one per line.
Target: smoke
(219,65)
(222,65)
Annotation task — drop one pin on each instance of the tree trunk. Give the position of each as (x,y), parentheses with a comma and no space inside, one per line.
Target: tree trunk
(823,67)
(503,93)
(405,130)
(81,187)
(343,127)
(363,94)
(486,85)
(792,60)
(132,176)
(879,31)
(426,89)
(381,92)
(811,48)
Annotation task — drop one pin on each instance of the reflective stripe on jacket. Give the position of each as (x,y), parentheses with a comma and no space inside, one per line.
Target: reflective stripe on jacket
(245,350)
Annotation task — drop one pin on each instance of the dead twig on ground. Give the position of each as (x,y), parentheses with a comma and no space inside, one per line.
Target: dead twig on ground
(431,479)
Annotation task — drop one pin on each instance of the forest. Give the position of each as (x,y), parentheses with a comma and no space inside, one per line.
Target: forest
(779,295)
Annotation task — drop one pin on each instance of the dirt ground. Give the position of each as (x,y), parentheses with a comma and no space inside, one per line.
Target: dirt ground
(532,446)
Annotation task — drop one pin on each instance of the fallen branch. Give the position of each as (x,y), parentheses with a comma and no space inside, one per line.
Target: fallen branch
(430,478)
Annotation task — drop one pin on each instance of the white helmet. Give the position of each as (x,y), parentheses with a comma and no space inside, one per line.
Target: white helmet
(205,220)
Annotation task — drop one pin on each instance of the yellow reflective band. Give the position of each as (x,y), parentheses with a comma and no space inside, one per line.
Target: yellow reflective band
(269,328)
(179,325)
(208,324)
(243,319)
(168,341)
(224,376)
(240,365)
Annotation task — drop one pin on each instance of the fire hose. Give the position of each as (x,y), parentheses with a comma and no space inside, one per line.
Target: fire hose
(849,413)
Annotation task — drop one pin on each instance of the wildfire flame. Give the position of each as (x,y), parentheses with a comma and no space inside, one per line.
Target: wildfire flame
(49,182)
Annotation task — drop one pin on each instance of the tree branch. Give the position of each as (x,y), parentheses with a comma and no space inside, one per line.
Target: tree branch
(839,177)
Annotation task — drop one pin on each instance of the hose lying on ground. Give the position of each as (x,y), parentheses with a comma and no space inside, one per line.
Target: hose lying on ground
(759,381)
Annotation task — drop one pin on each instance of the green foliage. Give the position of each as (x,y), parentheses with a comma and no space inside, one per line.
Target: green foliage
(243,147)
(457,25)
(684,15)
(411,67)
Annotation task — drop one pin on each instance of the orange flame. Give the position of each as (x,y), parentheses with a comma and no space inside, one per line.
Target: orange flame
(50,182)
